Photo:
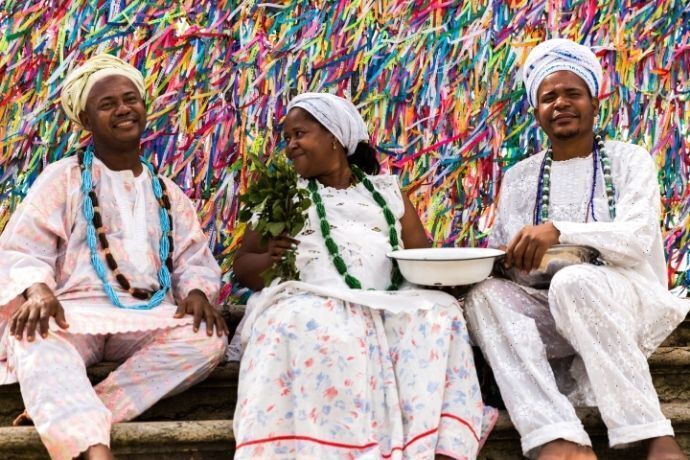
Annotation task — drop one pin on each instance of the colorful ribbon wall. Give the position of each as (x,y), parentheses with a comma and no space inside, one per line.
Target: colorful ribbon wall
(437,82)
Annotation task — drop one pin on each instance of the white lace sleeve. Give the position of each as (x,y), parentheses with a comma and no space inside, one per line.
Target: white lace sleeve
(629,239)
(499,233)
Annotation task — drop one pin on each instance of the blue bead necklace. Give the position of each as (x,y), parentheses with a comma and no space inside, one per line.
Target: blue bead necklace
(541,207)
(95,233)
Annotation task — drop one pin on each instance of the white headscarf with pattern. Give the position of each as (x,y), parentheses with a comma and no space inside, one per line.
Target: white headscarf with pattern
(561,54)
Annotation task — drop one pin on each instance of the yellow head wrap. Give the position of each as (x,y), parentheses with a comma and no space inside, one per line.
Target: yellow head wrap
(79,82)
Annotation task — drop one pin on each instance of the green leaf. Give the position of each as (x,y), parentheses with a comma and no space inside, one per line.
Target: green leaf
(304,204)
(244,215)
(275,228)
(280,204)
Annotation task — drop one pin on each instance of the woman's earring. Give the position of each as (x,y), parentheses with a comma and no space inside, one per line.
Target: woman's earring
(334,147)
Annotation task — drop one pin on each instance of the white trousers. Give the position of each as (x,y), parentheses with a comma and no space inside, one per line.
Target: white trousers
(70,415)
(589,311)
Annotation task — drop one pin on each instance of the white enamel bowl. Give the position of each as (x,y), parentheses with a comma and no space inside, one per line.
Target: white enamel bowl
(446,266)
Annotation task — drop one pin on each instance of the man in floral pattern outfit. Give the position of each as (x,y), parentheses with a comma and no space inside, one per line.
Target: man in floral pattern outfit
(58,302)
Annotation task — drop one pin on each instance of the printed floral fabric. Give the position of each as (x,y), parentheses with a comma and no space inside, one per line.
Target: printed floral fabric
(325,376)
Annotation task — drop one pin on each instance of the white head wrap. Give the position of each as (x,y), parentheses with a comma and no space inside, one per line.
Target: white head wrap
(79,82)
(337,115)
(561,54)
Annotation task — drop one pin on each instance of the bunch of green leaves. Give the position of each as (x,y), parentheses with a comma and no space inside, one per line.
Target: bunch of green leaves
(281,206)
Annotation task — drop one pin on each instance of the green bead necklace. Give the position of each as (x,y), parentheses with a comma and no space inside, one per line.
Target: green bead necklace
(338,262)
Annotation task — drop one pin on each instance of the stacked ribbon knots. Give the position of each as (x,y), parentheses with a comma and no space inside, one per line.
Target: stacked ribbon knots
(437,83)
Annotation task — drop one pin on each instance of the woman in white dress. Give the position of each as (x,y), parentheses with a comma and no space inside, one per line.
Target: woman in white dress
(342,364)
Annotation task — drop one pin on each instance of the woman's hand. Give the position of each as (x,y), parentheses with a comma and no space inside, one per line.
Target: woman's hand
(255,257)
(278,246)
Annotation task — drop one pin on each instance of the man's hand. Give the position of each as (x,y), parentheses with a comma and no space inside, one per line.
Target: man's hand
(528,247)
(40,305)
(196,303)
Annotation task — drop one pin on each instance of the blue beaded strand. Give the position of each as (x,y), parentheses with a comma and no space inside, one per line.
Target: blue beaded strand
(608,181)
(91,239)
(541,206)
(595,167)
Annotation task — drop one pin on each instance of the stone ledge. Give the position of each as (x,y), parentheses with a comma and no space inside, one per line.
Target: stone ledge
(504,441)
(213,439)
(209,439)
(670,358)
(678,413)
(680,337)
(215,397)
(673,360)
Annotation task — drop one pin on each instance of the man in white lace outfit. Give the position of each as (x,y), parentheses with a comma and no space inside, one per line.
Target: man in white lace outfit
(608,319)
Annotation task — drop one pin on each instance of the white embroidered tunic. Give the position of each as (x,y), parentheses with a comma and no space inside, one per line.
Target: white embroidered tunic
(585,340)
(45,241)
(631,244)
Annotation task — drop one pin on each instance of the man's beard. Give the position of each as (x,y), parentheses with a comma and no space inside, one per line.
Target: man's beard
(566,134)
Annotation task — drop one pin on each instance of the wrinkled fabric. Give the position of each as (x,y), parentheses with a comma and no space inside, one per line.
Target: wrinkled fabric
(324,378)
(632,241)
(324,375)
(608,319)
(45,241)
(592,314)
(337,115)
(70,415)
(78,84)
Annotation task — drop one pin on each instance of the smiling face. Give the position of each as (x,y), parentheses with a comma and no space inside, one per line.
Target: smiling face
(565,109)
(310,145)
(115,113)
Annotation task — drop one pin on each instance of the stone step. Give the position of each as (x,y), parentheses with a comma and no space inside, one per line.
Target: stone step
(208,440)
(680,337)
(215,397)
(213,439)
(670,368)
(504,441)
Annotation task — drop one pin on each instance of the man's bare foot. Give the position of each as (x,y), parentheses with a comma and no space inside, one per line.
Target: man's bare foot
(22,419)
(565,450)
(664,448)
(98,452)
